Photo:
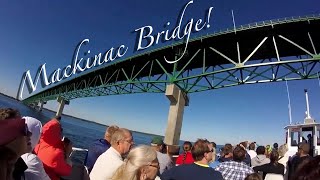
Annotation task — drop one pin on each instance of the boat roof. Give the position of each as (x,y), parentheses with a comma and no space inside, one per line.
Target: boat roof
(303,125)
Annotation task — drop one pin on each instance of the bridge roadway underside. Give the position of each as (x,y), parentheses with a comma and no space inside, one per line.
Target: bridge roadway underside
(270,51)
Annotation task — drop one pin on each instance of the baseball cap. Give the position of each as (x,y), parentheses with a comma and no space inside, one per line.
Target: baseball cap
(156,141)
(10,129)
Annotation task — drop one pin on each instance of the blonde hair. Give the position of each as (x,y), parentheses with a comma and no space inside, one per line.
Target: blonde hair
(282,150)
(137,158)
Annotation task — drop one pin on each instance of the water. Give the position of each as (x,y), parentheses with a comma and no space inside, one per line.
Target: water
(80,132)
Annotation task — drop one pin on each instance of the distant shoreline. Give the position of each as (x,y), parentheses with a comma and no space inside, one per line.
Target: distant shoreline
(81,119)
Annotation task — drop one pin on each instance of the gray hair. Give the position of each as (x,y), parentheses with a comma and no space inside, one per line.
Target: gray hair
(137,158)
(119,135)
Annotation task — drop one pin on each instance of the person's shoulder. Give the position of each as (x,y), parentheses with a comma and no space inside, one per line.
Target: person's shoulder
(29,157)
(217,175)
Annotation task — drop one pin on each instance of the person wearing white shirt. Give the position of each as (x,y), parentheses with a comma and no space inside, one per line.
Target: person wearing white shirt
(109,161)
(35,169)
(252,151)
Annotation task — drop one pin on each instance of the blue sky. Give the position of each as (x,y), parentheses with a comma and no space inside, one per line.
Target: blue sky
(36,32)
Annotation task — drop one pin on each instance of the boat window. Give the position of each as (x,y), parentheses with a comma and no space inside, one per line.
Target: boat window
(294,138)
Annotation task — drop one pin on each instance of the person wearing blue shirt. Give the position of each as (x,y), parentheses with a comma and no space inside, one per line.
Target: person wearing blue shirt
(98,147)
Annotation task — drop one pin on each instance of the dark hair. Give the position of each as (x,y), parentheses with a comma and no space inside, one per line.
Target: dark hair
(66,141)
(199,148)
(253,176)
(274,157)
(252,146)
(57,118)
(187,143)
(214,144)
(261,150)
(304,147)
(275,145)
(9,113)
(244,144)
(239,154)
(309,171)
(227,149)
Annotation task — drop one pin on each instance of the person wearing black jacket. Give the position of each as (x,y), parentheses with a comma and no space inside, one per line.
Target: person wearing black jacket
(300,159)
(272,167)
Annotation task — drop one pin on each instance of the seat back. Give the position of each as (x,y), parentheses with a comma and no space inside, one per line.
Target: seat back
(271,176)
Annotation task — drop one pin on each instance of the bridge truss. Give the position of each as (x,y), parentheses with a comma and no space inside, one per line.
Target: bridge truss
(269,51)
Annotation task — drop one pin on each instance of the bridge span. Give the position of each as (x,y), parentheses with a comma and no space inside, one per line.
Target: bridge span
(269,51)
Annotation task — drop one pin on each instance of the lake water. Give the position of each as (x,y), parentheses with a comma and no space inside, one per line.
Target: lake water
(80,132)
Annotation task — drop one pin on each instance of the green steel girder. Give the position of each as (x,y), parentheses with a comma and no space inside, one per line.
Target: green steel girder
(271,51)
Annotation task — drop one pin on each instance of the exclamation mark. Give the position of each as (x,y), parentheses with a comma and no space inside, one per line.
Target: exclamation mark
(208,17)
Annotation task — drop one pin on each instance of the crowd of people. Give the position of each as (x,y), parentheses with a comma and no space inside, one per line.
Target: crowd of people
(31,151)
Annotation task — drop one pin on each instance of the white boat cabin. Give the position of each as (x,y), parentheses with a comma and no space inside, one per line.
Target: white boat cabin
(299,133)
(308,132)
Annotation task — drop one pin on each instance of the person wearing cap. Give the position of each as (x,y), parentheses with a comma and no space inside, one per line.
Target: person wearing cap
(50,150)
(14,135)
(98,147)
(165,161)
(35,169)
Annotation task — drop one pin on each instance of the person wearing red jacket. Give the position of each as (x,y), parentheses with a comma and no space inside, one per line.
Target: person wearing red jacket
(186,157)
(51,150)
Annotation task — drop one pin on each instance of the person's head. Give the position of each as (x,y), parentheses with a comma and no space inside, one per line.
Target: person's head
(309,170)
(122,141)
(274,157)
(109,132)
(275,146)
(252,146)
(214,152)
(303,148)
(309,136)
(35,127)
(244,144)
(187,146)
(239,154)
(253,176)
(7,160)
(141,163)
(227,149)
(14,132)
(282,150)
(214,144)
(202,151)
(9,113)
(157,143)
(261,150)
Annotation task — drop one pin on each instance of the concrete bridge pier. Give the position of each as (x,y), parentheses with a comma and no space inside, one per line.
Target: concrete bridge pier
(61,106)
(178,100)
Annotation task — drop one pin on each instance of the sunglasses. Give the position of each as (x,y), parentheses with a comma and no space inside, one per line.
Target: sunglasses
(156,166)
(210,151)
